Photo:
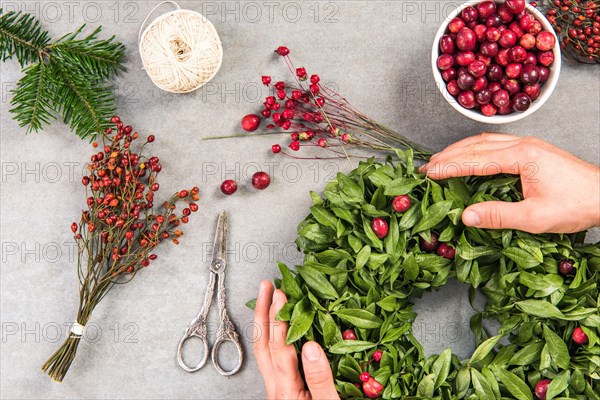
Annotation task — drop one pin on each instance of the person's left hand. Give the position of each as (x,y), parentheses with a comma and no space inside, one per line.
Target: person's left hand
(278,362)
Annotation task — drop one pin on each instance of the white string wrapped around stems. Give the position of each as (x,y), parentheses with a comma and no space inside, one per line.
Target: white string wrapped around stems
(180,50)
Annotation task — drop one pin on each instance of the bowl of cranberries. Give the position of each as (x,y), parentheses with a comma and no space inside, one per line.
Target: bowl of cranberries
(496,61)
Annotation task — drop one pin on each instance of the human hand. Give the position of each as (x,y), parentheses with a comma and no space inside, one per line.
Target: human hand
(561,192)
(278,362)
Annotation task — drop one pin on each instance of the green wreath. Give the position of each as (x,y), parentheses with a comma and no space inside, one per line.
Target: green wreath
(360,282)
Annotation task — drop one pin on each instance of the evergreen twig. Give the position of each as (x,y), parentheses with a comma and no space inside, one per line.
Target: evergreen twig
(65,78)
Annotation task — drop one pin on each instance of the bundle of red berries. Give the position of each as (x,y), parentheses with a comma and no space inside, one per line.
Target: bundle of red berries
(120,230)
(495,58)
(578,24)
(316,116)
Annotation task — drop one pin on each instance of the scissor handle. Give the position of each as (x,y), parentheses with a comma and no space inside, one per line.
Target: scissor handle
(188,335)
(227,333)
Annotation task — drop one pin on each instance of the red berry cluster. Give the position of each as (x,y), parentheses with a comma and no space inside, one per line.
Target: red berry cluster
(434,245)
(578,23)
(260,180)
(495,58)
(120,221)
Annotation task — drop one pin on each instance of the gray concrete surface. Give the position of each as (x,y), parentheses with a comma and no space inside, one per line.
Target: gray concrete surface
(376,52)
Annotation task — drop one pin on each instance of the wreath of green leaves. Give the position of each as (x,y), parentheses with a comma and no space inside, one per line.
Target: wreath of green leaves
(352,279)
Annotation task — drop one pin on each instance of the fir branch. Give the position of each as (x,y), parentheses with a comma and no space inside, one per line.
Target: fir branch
(32,106)
(21,35)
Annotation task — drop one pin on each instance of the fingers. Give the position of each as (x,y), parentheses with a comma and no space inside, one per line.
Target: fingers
(261,343)
(503,215)
(283,356)
(318,372)
(482,137)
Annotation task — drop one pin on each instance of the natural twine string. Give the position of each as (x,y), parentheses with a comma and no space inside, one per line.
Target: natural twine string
(180,50)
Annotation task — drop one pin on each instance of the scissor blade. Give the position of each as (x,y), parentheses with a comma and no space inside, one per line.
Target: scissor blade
(220,245)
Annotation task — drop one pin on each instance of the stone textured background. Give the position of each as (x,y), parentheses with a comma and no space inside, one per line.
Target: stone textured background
(377,53)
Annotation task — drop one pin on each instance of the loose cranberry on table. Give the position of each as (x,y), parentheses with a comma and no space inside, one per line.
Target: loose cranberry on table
(495,57)
(228,187)
(261,180)
(250,122)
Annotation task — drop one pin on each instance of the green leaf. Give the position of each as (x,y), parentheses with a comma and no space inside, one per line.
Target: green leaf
(351,346)
(481,385)
(251,304)
(463,382)
(350,188)
(539,308)
(331,330)
(401,186)
(323,216)
(388,303)
(411,268)
(290,285)
(441,367)
(285,313)
(558,384)
(433,216)
(318,282)
(484,349)
(395,333)
(316,199)
(521,257)
(363,256)
(527,354)
(514,384)
(557,348)
(373,239)
(300,326)
(359,318)
(410,218)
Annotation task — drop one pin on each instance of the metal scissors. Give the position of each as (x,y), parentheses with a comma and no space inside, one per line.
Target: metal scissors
(197,327)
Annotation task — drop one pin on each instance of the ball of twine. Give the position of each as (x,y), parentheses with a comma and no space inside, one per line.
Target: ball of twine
(180,50)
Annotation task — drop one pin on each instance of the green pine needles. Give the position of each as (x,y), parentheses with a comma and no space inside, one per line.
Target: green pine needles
(66,78)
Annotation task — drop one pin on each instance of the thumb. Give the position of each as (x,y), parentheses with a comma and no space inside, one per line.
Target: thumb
(500,215)
(317,372)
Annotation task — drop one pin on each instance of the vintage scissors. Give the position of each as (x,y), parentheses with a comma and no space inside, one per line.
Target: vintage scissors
(226,331)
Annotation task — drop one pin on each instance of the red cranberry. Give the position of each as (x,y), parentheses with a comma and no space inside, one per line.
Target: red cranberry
(505,110)
(566,267)
(527,41)
(483,96)
(545,41)
(380,227)
(282,51)
(494,87)
(276,148)
(364,377)
(493,21)
(469,14)
(489,49)
(502,58)
(535,28)
(530,75)
(533,91)
(507,38)
(544,74)
(514,26)
(377,354)
(530,59)
(456,25)
(445,61)
(541,388)
(466,40)
(446,251)
(349,334)
(228,187)
(487,60)
(479,84)
(250,122)
(447,44)
(501,98)
(517,54)
(449,74)
(579,336)
(261,180)
(372,388)
(492,34)
(453,88)
(489,110)
(431,246)
(401,203)
(513,70)
(480,30)
(477,68)
(512,86)
(266,80)
(515,6)
(504,13)
(546,58)
(522,102)
(466,99)
(494,73)
(486,8)
(465,58)
(526,22)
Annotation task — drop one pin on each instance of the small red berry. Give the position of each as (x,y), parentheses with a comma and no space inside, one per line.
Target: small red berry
(280,85)
(446,251)
(183,193)
(250,122)
(431,246)
(349,334)
(372,388)
(74,227)
(579,336)
(401,203)
(153,256)
(282,51)
(145,262)
(266,79)
(380,227)
(115,119)
(566,267)
(276,148)
(150,139)
(322,142)
(377,355)
(541,388)
(193,207)
(261,180)
(365,376)
(295,145)
(228,187)
(301,73)
(314,79)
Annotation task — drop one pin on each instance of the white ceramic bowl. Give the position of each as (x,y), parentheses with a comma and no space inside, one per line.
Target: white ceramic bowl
(547,87)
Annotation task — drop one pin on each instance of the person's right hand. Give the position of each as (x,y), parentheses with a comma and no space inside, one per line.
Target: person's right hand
(562,192)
